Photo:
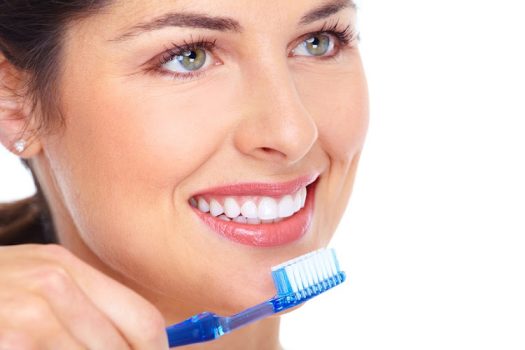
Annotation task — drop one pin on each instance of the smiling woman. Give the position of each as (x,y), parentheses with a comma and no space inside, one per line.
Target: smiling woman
(180,149)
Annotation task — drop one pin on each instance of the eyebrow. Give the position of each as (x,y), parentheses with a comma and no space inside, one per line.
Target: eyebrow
(223,24)
(326,10)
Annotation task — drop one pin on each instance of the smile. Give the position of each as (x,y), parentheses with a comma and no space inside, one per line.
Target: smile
(251,209)
(265,215)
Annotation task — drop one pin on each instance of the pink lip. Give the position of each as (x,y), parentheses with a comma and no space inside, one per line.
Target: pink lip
(266,235)
(261,189)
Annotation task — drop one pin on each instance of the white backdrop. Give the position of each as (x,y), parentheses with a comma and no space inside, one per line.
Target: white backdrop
(433,240)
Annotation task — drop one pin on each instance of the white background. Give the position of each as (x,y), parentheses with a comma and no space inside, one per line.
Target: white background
(433,240)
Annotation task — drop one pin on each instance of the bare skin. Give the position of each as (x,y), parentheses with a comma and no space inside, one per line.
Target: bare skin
(137,143)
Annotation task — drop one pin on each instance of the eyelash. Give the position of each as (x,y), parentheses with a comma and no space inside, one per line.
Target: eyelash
(344,36)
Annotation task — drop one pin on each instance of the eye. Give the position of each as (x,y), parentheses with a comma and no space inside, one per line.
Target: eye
(317,45)
(187,61)
(326,42)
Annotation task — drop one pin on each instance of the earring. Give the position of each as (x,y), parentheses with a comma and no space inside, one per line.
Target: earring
(20,146)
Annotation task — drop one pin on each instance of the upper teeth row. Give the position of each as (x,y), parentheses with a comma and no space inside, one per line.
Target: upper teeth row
(263,208)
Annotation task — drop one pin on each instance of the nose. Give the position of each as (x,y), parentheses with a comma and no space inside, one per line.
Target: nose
(275,124)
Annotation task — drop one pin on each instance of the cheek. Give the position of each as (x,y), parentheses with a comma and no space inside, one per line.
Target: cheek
(158,137)
(126,152)
(339,105)
(338,102)
(165,136)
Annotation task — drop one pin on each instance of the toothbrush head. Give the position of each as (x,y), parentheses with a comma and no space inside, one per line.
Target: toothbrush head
(305,277)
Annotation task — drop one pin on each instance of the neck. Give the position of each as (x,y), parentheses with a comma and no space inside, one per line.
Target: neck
(261,335)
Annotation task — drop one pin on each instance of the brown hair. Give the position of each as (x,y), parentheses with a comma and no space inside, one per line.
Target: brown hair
(31,32)
(26,221)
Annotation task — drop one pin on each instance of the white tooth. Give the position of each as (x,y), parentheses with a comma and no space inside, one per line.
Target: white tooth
(203,205)
(253,221)
(286,206)
(303,196)
(224,217)
(240,219)
(215,208)
(249,210)
(267,208)
(231,208)
(297,201)
(270,221)
(193,202)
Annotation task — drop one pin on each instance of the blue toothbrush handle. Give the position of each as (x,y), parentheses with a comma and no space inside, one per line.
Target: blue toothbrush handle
(208,326)
(199,328)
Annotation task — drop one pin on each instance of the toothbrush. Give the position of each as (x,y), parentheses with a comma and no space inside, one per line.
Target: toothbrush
(296,281)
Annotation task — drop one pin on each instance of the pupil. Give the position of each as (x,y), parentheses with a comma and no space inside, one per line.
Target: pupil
(318,45)
(192,59)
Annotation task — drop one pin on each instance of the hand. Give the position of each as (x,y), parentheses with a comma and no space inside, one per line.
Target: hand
(50,299)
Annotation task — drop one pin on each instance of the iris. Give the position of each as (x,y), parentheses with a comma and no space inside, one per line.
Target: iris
(317,45)
(193,59)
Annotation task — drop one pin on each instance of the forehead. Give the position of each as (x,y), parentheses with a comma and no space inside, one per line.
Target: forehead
(121,16)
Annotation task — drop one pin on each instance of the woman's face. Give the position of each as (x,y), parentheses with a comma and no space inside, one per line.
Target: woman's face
(260,99)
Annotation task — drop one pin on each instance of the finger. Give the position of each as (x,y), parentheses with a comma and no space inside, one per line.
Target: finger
(72,307)
(27,322)
(59,339)
(15,339)
(140,323)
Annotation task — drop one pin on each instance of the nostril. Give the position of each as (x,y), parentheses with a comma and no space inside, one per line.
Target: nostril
(271,151)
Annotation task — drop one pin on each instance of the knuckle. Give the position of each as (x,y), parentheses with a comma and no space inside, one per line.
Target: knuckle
(13,339)
(52,279)
(24,308)
(152,326)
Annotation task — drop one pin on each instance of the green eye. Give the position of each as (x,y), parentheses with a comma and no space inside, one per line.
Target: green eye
(317,45)
(191,60)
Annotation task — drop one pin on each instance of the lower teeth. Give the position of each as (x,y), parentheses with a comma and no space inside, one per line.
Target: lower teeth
(241,219)
(253,221)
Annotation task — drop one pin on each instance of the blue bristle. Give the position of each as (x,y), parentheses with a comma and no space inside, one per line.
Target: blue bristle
(281,282)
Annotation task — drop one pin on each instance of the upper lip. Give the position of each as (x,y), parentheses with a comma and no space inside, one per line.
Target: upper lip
(261,188)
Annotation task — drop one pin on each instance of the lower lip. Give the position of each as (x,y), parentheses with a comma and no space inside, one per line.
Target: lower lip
(265,235)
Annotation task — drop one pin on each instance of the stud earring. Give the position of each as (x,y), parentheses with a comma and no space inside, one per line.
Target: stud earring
(20,146)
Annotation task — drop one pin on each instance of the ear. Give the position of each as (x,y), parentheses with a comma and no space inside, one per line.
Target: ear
(16,122)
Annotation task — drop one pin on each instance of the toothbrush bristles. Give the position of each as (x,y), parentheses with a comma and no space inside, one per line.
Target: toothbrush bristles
(308,275)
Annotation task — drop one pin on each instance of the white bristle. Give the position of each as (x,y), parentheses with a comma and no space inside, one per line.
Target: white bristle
(302,273)
(311,273)
(326,262)
(323,267)
(297,277)
(332,264)
(289,273)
